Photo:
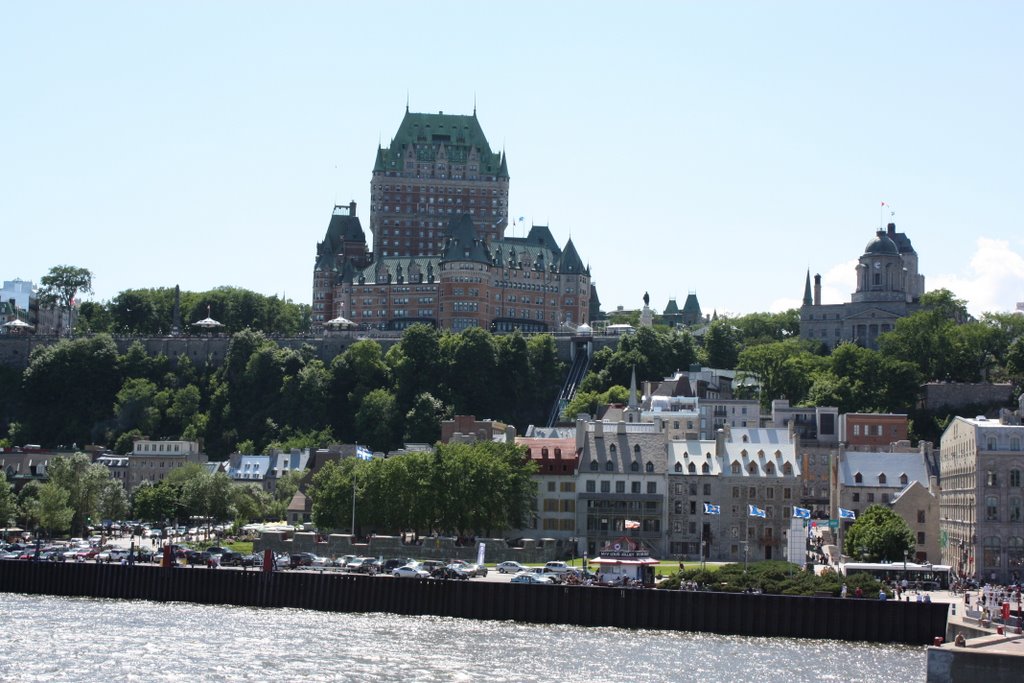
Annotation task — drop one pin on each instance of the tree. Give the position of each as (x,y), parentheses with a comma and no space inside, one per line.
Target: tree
(423,421)
(879,534)
(55,513)
(61,285)
(377,421)
(8,502)
(84,483)
(720,345)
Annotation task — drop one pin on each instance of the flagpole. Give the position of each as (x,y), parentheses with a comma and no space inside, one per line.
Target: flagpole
(702,542)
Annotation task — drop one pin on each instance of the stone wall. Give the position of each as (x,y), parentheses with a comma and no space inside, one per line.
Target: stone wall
(954,395)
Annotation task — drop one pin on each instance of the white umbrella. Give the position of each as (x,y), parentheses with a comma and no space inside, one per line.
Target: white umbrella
(340,322)
(17,324)
(207,323)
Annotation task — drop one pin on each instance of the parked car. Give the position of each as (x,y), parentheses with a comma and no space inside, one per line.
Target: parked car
(301,560)
(231,558)
(534,579)
(394,563)
(557,567)
(554,577)
(510,567)
(409,571)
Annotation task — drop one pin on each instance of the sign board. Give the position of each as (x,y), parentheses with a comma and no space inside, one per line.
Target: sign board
(833,524)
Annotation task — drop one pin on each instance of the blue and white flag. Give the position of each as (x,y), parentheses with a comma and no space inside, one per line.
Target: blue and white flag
(755,511)
(364,453)
(847,514)
(801,513)
(710,509)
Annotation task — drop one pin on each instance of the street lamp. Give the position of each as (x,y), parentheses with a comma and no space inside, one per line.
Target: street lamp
(905,553)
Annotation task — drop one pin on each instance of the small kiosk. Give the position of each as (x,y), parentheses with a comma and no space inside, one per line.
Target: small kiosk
(625,561)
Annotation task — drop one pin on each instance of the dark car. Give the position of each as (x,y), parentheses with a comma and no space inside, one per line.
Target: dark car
(230,558)
(394,563)
(297,560)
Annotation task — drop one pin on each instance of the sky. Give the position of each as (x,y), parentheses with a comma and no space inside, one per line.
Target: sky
(721,148)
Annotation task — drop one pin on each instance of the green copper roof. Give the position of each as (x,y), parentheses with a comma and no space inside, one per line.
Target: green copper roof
(454,136)
(671,308)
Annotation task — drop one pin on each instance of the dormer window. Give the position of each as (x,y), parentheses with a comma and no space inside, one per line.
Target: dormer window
(904,479)
(735,467)
(634,466)
(679,467)
(593,465)
(753,468)
(858,478)
(609,466)
(706,468)
(649,467)
(881,479)
(787,469)
(769,469)
(692,469)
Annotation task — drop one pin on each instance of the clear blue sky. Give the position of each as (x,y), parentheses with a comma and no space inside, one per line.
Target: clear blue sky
(722,148)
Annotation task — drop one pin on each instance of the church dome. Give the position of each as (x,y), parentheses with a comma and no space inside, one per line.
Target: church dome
(882,244)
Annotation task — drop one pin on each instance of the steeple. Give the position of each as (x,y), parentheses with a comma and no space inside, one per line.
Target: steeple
(632,390)
(808,299)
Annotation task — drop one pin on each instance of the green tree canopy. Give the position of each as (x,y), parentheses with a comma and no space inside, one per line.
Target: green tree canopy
(61,285)
(878,535)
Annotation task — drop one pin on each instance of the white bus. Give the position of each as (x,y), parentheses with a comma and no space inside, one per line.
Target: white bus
(923,576)
(619,329)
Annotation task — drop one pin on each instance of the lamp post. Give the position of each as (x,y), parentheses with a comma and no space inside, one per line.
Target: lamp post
(905,553)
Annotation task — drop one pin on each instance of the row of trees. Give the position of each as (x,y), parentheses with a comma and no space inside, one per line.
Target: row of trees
(79,493)
(263,396)
(463,489)
(150,312)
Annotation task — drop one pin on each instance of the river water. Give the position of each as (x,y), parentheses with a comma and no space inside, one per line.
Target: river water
(45,638)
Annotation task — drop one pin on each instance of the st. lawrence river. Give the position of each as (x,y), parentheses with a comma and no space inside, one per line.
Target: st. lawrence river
(82,639)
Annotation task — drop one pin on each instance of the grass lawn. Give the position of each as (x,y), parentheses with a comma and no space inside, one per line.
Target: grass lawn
(244,547)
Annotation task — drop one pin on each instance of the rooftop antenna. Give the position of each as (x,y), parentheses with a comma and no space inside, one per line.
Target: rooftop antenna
(474,103)
(406,100)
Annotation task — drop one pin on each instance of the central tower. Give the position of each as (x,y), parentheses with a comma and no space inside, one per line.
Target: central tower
(438,166)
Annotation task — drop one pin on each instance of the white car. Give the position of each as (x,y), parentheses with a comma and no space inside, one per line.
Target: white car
(527,577)
(510,567)
(557,567)
(410,572)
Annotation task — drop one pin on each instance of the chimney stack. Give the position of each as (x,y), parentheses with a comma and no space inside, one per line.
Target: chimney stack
(817,290)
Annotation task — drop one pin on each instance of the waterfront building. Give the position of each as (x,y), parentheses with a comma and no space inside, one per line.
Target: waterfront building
(889,287)
(740,467)
(620,484)
(554,510)
(153,460)
(982,499)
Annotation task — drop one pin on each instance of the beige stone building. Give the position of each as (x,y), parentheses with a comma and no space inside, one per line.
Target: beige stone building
(153,460)
(982,498)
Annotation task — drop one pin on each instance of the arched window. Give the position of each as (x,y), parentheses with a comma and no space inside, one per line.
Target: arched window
(609,466)
(760,453)
(593,465)
(991,478)
(544,452)
(1014,509)
(1015,444)
(745,438)
(1015,478)
(634,466)
(753,468)
(735,467)
(649,467)
(612,449)
(787,469)
(992,508)
(991,556)
(991,445)
(778,453)
(706,468)
(1015,553)
(881,479)
(679,467)
(692,469)
(858,479)
(904,479)
(769,468)
(558,452)
(743,453)
(636,450)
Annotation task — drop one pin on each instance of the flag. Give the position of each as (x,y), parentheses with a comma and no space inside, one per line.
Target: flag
(847,514)
(632,524)
(802,513)
(521,219)
(710,509)
(364,453)
(884,204)
(755,511)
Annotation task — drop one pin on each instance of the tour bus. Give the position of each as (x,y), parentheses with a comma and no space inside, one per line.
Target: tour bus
(924,576)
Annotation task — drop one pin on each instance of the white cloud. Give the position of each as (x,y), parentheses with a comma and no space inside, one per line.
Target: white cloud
(993,280)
